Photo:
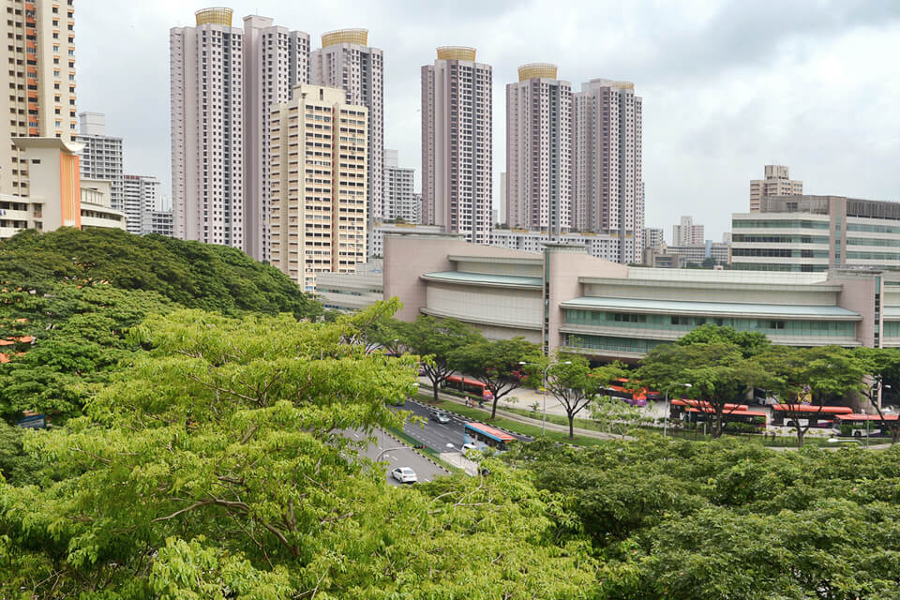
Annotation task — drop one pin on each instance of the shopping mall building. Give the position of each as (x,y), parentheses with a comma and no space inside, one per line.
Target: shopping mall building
(564,298)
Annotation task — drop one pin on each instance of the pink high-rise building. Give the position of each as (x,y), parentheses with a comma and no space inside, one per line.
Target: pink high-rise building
(778,182)
(207,129)
(347,62)
(457,145)
(539,151)
(224,81)
(276,60)
(607,185)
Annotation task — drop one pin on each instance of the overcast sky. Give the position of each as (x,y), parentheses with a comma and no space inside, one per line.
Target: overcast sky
(727,86)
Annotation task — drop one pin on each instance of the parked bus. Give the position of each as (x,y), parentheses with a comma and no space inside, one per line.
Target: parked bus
(757,418)
(482,436)
(784,415)
(860,425)
(630,393)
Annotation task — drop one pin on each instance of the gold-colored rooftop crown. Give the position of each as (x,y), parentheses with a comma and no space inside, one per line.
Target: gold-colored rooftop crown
(537,71)
(456,53)
(216,15)
(346,36)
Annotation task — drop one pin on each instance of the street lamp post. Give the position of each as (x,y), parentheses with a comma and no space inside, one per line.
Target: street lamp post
(543,388)
(666,414)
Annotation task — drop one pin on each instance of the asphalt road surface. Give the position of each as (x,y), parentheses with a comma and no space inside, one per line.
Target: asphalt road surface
(398,455)
(437,436)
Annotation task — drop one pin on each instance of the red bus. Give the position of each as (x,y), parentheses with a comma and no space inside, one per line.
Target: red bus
(634,395)
(860,425)
(786,414)
(466,384)
(757,418)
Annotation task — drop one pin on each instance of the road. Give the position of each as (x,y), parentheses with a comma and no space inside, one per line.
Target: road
(397,455)
(439,437)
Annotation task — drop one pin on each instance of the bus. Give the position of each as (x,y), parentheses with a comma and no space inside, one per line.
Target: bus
(860,425)
(698,411)
(466,384)
(785,415)
(630,393)
(483,436)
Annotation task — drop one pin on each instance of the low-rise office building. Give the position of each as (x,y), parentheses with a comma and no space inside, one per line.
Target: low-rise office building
(814,234)
(348,292)
(564,298)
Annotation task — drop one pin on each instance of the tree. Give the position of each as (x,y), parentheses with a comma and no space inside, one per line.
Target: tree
(750,343)
(217,466)
(575,385)
(881,364)
(729,519)
(718,374)
(805,378)
(615,416)
(496,364)
(435,341)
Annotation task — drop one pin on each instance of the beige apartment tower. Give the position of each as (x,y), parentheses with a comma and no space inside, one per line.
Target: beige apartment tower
(607,179)
(457,147)
(319,176)
(538,191)
(346,61)
(39,51)
(777,183)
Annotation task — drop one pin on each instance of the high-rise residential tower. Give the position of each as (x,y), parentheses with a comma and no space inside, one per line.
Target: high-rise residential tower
(39,50)
(607,185)
(207,129)
(276,60)
(653,237)
(319,158)
(102,159)
(142,198)
(539,151)
(347,62)
(399,197)
(777,183)
(686,233)
(457,148)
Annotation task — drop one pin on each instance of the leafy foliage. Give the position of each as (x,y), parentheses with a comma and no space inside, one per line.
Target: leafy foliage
(195,275)
(684,520)
(217,466)
(496,364)
(750,343)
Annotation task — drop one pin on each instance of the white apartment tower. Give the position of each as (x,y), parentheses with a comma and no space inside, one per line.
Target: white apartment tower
(777,183)
(399,197)
(457,145)
(276,60)
(39,50)
(607,184)
(142,197)
(319,158)
(347,62)
(102,157)
(207,129)
(538,192)
(686,233)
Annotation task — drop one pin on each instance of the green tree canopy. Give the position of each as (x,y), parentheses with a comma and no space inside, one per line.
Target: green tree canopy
(750,343)
(435,340)
(682,520)
(195,275)
(719,375)
(217,466)
(497,364)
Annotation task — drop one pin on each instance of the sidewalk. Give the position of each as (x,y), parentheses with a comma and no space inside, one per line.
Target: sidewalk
(533,422)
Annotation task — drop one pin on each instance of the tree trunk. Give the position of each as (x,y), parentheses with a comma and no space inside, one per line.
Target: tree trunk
(800,434)
(494,408)
(435,390)
(571,428)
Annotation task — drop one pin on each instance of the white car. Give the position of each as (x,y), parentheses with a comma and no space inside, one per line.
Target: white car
(469,446)
(404,475)
(441,417)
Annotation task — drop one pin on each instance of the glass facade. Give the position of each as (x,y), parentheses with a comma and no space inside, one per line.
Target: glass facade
(775,327)
(891,329)
(791,268)
(780,239)
(780,224)
(611,344)
(874,228)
